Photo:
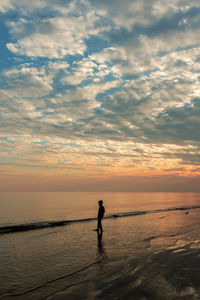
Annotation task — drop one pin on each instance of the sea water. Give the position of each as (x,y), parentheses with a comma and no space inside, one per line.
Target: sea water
(40,263)
(27,207)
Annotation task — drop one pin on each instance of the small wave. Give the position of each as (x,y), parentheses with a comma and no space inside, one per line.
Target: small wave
(49,224)
(39,225)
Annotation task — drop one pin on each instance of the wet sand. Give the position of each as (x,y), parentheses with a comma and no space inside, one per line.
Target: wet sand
(172,272)
(154,256)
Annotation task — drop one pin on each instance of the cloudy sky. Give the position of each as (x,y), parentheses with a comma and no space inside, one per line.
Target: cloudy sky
(100,95)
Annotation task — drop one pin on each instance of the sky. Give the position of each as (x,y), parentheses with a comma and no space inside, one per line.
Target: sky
(99,95)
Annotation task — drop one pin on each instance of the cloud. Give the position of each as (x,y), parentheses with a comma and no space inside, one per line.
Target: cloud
(6,5)
(22,7)
(54,37)
(101,87)
(79,72)
(34,84)
(57,40)
(180,124)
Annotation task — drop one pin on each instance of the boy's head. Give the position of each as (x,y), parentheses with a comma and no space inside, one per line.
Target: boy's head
(100,202)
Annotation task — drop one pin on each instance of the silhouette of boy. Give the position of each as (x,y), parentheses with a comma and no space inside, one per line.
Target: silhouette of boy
(100,215)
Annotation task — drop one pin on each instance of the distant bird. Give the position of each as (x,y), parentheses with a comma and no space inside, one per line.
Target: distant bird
(187,212)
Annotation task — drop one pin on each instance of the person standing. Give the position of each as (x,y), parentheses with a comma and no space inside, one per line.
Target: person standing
(100,215)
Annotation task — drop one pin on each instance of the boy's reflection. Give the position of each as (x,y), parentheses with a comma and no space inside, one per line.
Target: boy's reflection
(100,244)
(101,253)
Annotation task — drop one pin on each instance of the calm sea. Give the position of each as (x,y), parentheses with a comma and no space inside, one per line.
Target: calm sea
(19,208)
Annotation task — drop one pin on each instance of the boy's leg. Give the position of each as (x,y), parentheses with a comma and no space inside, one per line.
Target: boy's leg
(99,224)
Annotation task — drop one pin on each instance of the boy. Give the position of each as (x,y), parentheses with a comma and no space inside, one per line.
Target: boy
(100,215)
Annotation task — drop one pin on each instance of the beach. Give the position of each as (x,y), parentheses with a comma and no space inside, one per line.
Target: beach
(152,254)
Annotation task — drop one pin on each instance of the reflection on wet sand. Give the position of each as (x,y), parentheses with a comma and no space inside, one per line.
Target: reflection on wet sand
(100,245)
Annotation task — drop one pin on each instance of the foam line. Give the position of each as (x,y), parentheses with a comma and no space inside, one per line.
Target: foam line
(49,224)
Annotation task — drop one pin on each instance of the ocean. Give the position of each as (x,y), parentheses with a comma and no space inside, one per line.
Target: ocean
(149,249)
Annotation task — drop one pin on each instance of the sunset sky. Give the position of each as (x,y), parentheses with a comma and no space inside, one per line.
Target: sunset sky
(100,95)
